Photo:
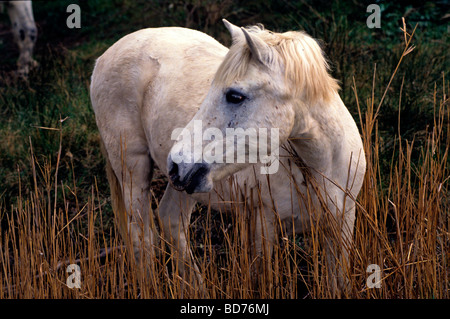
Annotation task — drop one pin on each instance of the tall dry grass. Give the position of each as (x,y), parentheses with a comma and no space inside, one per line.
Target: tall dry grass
(402,226)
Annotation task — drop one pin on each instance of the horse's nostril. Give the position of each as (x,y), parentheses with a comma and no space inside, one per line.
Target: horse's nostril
(173,171)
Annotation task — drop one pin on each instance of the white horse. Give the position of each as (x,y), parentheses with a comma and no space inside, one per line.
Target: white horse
(25,33)
(153,81)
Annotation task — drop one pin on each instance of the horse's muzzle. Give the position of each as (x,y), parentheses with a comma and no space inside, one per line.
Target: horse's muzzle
(191,178)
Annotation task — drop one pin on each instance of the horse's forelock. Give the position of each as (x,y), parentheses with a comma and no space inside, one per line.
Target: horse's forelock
(234,66)
(306,70)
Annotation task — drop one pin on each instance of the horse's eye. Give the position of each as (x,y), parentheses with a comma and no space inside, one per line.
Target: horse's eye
(235,97)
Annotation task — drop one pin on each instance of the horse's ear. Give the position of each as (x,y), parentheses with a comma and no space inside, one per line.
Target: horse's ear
(234,30)
(258,47)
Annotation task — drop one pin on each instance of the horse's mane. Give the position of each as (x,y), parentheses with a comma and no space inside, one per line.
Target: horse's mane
(306,69)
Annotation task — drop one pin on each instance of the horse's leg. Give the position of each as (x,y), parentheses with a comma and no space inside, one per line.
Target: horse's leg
(25,34)
(137,200)
(130,169)
(175,211)
(264,240)
(338,245)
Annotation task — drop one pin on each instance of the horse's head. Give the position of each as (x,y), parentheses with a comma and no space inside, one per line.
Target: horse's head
(251,107)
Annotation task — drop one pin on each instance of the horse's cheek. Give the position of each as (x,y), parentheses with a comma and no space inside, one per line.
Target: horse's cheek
(283,119)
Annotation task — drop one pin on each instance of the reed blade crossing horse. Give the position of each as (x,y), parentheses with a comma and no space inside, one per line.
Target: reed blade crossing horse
(154,81)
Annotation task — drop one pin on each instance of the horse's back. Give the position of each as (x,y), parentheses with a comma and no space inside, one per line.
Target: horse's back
(127,67)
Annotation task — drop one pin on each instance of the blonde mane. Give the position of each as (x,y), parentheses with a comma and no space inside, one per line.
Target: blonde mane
(306,70)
